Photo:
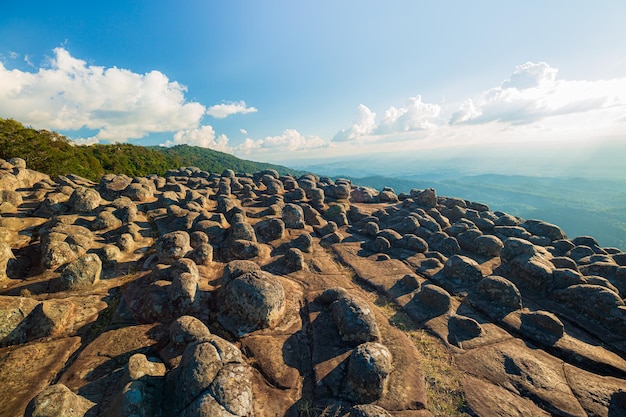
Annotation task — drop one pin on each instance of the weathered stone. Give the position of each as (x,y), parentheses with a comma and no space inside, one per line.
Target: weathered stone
(202,254)
(56,401)
(84,200)
(541,228)
(294,260)
(489,245)
(462,268)
(369,366)
(596,302)
(462,328)
(172,246)
(82,273)
(355,320)
(232,389)
(270,229)
(252,301)
(496,296)
(542,325)
(293,216)
(425,198)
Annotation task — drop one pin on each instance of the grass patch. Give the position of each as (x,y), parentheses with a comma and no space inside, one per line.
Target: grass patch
(444,390)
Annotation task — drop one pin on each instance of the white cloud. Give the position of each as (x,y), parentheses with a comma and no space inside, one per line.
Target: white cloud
(204,137)
(364,124)
(221,111)
(415,115)
(243,132)
(533,93)
(71,95)
(290,141)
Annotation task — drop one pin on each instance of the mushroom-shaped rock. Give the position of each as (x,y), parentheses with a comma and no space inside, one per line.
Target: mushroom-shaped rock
(369,366)
(496,296)
(293,216)
(488,245)
(202,254)
(182,292)
(596,302)
(355,320)
(463,269)
(82,273)
(462,328)
(425,198)
(84,200)
(542,325)
(57,400)
(238,267)
(172,246)
(294,260)
(270,229)
(304,242)
(252,301)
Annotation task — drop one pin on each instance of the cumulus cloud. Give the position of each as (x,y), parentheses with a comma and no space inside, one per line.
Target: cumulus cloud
(533,93)
(364,124)
(290,141)
(119,104)
(415,115)
(204,137)
(221,111)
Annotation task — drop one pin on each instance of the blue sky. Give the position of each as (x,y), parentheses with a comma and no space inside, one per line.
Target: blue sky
(288,81)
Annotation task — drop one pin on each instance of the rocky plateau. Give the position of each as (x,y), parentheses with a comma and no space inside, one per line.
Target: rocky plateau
(206,294)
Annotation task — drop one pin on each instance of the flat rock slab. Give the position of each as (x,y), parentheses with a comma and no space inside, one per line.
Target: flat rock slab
(598,395)
(26,370)
(524,371)
(487,399)
(98,368)
(384,275)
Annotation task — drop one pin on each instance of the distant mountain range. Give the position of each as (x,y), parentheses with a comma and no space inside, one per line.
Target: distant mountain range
(53,154)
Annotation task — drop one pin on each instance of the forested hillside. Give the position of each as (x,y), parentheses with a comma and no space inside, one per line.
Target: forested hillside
(54,154)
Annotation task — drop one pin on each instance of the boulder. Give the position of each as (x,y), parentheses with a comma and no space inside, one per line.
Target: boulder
(270,229)
(369,366)
(293,216)
(425,198)
(488,245)
(172,246)
(251,301)
(202,254)
(58,400)
(462,269)
(496,296)
(82,273)
(355,320)
(84,200)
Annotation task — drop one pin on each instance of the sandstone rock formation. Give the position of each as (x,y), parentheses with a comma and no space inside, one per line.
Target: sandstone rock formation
(233,294)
